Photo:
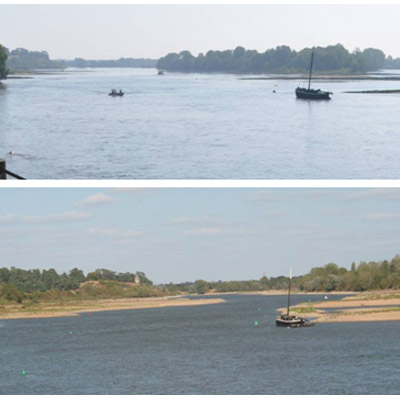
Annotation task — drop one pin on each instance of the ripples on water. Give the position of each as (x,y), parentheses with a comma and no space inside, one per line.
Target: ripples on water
(213,349)
(65,126)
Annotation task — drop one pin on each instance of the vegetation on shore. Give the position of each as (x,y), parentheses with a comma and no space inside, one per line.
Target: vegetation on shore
(120,63)
(330,277)
(33,286)
(3,62)
(26,60)
(282,59)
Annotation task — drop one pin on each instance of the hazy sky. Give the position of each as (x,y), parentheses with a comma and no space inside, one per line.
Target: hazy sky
(188,234)
(113,31)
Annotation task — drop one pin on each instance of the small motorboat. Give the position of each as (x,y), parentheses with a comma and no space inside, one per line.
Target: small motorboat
(116,93)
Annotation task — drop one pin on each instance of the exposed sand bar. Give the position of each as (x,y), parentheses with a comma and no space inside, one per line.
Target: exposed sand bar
(362,316)
(367,307)
(347,302)
(73,309)
(280,293)
(390,91)
(323,78)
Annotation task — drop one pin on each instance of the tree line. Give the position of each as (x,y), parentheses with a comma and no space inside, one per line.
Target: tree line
(120,63)
(24,60)
(17,284)
(3,62)
(330,277)
(282,59)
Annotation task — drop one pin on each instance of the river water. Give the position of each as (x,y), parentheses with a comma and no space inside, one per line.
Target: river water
(214,349)
(194,126)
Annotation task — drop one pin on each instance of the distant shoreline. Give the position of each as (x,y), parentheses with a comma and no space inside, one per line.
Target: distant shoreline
(281,293)
(73,309)
(21,74)
(364,77)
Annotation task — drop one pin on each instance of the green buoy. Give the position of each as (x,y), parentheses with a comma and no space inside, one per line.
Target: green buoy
(24,372)
(255,323)
(70,332)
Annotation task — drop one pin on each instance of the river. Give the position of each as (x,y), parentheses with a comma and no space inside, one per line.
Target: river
(213,349)
(194,126)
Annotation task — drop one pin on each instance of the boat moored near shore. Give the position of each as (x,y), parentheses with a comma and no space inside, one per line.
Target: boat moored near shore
(292,321)
(312,94)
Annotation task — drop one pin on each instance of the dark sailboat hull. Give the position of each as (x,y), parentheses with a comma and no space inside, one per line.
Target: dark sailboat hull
(293,322)
(312,94)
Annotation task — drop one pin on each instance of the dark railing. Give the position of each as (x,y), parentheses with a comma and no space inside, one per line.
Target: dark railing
(4,172)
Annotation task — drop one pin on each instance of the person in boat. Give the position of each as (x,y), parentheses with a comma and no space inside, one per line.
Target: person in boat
(120,92)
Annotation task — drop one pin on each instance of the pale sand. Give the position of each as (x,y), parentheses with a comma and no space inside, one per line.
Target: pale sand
(357,303)
(361,308)
(72,309)
(361,316)
(279,293)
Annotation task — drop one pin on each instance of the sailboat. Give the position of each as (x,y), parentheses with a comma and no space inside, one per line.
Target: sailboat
(312,94)
(292,321)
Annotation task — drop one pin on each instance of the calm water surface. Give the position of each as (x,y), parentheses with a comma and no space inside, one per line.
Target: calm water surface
(212,349)
(193,126)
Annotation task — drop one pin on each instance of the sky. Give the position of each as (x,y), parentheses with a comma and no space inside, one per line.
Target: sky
(178,235)
(152,31)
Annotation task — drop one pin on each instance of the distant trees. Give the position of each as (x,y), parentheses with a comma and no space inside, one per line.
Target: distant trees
(201,286)
(366,276)
(108,275)
(16,283)
(282,59)
(3,62)
(120,63)
(23,60)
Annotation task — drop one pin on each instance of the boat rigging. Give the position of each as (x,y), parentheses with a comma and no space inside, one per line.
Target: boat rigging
(292,321)
(312,94)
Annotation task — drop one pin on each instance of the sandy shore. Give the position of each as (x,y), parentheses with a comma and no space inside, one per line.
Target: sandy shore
(367,307)
(295,77)
(50,310)
(280,293)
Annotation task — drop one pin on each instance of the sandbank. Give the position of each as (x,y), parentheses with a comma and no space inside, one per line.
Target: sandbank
(50,310)
(366,307)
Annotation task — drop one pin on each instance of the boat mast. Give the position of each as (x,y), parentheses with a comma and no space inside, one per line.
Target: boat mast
(309,79)
(288,300)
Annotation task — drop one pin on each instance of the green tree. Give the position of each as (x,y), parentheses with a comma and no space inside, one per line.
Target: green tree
(3,61)
(11,293)
(201,286)
(76,276)
(93,276)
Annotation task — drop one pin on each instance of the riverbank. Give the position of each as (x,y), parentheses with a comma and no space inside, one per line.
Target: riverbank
(53,309)
(365,307)
(323,78)
(281,293)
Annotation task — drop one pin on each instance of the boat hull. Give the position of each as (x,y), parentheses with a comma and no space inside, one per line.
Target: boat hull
(312,94)
(293,322)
